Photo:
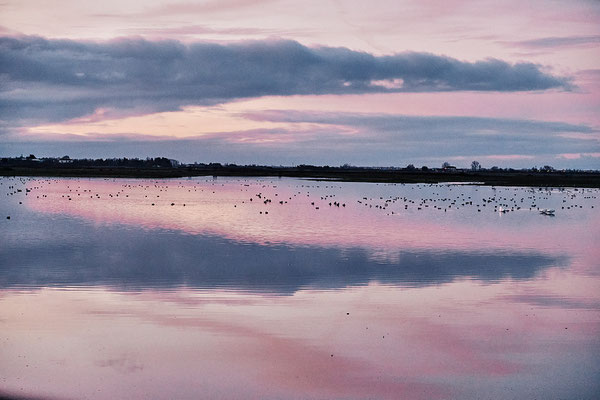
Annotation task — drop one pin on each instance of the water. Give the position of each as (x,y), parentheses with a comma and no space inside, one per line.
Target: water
(392,291)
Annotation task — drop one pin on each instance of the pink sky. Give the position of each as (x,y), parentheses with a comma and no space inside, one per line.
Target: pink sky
(561,38)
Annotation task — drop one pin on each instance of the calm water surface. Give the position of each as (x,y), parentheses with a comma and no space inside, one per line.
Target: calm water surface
(260,288)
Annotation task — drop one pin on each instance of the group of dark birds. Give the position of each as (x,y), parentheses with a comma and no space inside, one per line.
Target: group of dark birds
(265,194)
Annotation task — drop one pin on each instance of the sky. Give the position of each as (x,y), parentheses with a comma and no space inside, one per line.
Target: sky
(278,82)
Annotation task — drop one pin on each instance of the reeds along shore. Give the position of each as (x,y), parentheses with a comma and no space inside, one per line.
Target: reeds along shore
(500,177)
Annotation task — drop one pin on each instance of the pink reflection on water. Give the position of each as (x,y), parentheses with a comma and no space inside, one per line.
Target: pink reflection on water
(371,341)
(535,336)
(223,207)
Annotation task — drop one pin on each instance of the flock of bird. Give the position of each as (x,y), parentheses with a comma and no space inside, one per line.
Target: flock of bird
(270,193)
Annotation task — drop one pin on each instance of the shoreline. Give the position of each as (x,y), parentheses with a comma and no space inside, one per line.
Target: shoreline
(485,177)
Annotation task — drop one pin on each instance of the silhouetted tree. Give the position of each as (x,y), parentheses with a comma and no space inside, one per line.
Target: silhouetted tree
(475,166)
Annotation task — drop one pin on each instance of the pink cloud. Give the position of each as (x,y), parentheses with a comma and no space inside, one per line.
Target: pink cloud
(204,8)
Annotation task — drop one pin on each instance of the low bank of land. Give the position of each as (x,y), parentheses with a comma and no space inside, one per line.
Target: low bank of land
(499,177)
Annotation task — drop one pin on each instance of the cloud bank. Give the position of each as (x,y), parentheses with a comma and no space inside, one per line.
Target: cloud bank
(333,138)
(55,80)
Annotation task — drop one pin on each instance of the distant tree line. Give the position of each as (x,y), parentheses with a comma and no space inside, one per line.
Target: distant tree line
(66,161)
(163,162)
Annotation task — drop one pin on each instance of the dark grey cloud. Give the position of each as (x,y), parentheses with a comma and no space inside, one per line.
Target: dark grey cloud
(53,80)
(415,126)
(436,137)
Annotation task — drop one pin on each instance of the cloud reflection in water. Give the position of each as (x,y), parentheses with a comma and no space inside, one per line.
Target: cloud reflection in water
(128,258)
